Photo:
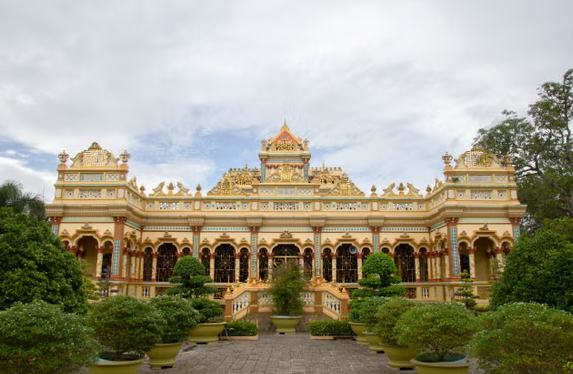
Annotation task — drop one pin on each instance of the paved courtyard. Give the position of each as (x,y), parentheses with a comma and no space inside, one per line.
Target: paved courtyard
(280,354)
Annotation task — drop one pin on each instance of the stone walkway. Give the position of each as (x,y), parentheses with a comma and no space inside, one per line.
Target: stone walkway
(280,354)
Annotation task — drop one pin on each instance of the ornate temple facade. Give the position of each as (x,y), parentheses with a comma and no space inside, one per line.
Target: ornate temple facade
(285,209)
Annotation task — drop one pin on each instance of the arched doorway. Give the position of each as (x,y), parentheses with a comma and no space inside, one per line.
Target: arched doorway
(263,264)
(86,249)
(483,249)
(244,265)
(346,264)
(166,259)
(147,264)
(107,260)
(327,264)
(404,260)
(423,259)
(307,263)
(464,258)
(224,264)
(206,261)
(285,252)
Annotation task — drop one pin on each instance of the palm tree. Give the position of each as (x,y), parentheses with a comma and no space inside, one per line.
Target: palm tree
(12,195)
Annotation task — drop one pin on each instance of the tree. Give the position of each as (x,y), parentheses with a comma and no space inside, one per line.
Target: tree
(35,265)
(465,292)
(13,196)
(380,280)
(542,148)
(539,268)
(189,275)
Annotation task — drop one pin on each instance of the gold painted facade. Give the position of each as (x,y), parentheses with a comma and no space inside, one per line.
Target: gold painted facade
(285,208)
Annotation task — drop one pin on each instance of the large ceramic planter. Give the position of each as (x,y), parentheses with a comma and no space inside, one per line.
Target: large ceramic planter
(163,355)
(457,367)
(374,343)
(399,357)
(285,324)
(206,333)
(359,329)
(116,367)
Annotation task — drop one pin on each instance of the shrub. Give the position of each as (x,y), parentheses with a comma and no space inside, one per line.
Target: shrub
(330,328)
(125,327)
(209,310)
(365,311)
(189,275)
(287,284)
(437,330)
(40,338)
(524,338)
(379,281)
(387,316)
(179,317)
(242,328)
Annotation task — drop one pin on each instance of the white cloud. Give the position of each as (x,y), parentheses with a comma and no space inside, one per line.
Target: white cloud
(40,183)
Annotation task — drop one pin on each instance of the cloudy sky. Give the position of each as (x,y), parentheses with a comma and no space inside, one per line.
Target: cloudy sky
(189,88)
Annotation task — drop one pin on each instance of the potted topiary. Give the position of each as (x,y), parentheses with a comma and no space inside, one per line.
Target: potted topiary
(189,275)
(524,338)
(399,356)
(179,317)
(41,338)
(441,331)
(126,328)
(379,280)
(286,285)
(367,315)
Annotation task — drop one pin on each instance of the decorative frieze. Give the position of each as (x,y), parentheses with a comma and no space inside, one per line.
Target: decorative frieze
(71,177)
(112,177)
(91,177)
(480,178)
(501,179)
(403,206)
(168,206)
(304,191)
(90,194)
(481,194)
(286,206)
(502,195)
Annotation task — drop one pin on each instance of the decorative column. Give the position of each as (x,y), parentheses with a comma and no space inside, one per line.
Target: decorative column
(417,266)
(140,256)
(99,261)
(116,258)
(153,266)
(300,260)
(453,240)
(271,257)
(375,239)
(359,263)
(317,250)
(212,265)
(237,266)
(254,251)
(196,237)
(515,227)
(263,170)
(55,221)
(438,259)
(334,257)
(471,255)
(124,269)
(447,264)
(133,273)
(499,259)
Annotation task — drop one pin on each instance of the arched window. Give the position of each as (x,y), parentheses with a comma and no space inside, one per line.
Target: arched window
(263,264)
(86,249)
(307,263)
(206,261)
(186,251)
(166,259)
(346,264)
(423,265)
(224,264)
(404,259)
(386,250)
(244,265)
(147,264)
(365,253)
(327,264)
(106,262)
(285,252)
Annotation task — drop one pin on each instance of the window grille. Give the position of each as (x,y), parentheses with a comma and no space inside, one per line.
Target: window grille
(147,264)
(224,264)
(327,265)
(404,259)
(166,259)
(346,264)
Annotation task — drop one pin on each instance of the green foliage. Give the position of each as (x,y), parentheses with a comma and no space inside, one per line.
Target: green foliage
(35,265)
(40,338)
(542,148)
(330,328)
(242,328)
(388,315)
(12,195)
(538,269)
(365,310)
(125,327)
(189,274)
(524,338)
(466,291)
(437,329)
(287,284)
(179,317)
(208,310)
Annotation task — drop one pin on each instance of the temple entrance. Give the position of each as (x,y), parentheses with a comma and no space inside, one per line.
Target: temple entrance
(87,250)
(483,258)
(285,252)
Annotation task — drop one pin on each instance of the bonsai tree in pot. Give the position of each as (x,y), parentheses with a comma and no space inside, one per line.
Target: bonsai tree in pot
(367,316)
(524,338)
(41,338)
(189,275)
(399,355)
(379,280)
(286,285)
(126,328)
(179,317)
(441,331)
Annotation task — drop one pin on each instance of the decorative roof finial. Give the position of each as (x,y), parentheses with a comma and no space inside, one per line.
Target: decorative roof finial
(447,158)
(63,157)
(124,156)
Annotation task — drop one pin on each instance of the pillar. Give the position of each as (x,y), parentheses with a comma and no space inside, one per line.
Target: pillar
(499,259)
(515,227)
(471,255)
(359,264)
(253,269)
(448,262)
(212,265)
(452,224)
(196,237)
(55,222)
(334,257)
(124,269)
(271,258)
(317,249)
(375,239)
(99,261)
(237,266)
(116,258)
(417,266)
(154,266)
